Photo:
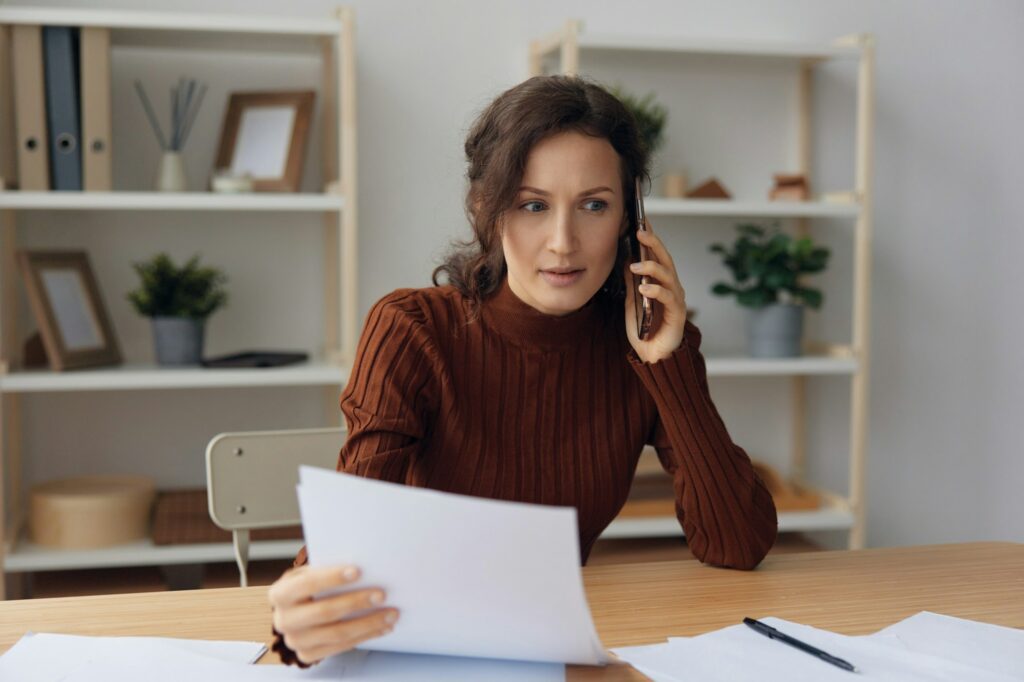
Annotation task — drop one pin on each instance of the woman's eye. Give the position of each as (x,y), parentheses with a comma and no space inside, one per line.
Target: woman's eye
(596,205)
(533,206)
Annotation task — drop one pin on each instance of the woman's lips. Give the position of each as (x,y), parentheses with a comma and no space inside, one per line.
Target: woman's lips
(560,278)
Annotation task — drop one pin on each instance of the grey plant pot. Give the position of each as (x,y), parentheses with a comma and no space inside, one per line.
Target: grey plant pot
(775,331)
(179,340)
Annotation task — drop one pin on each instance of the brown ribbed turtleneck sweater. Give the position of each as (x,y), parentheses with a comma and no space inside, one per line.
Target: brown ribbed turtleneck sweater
(513,404)
(519,405)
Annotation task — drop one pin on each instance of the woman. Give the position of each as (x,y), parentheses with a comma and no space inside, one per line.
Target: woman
(524,378)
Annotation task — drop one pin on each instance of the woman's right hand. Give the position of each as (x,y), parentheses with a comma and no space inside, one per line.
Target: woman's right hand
(317,628)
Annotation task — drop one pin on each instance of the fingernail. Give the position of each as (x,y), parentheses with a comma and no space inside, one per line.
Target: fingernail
(634,267)
(350,573)
(391,618)
(377,598)
(645,287)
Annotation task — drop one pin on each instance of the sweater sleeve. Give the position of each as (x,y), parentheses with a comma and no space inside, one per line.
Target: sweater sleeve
(388,400)
(724,508)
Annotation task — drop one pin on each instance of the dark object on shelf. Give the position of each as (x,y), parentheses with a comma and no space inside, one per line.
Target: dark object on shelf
(256,358)
(183,518)
(789,187)
(710,189)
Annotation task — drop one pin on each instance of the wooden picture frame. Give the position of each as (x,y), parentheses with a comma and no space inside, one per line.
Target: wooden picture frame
(264,134)
(65,300)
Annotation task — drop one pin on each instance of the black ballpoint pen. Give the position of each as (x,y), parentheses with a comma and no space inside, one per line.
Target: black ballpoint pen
(772,633)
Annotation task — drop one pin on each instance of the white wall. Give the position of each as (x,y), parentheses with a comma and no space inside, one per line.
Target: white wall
(946,398)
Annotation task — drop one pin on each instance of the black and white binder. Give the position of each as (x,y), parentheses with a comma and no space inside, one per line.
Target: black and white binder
(60,58)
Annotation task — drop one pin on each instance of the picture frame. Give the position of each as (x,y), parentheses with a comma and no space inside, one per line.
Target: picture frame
(264,136)
(66,303)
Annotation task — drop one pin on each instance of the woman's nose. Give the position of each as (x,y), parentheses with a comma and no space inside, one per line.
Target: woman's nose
(562,238)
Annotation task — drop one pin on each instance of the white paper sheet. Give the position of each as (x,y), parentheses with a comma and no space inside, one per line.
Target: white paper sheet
(143,663)
(994,648)
(737,652)
(470,576)
(46,657)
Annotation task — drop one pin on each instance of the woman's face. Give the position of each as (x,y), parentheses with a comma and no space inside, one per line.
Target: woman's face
(561,235)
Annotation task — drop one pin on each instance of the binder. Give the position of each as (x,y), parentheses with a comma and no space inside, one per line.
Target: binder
(60,63)
(30,108)
(95,90)
(8,146)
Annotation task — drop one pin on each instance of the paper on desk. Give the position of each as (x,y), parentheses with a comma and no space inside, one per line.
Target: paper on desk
(470,576)
(142,663)
(46,657)
(737,652)
(995,648)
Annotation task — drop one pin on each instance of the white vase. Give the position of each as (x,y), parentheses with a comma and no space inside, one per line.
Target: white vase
(171,176)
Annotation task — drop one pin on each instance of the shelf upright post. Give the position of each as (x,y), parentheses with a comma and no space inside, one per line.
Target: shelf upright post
(9,436)
(570,51)
(799,381)
(10,403)
(349,280)
(330,155)
(862,286)
(540,48)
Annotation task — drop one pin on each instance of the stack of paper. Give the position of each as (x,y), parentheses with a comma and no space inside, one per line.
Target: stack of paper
(54,658)
(925,647)
(65,658)
(470,576)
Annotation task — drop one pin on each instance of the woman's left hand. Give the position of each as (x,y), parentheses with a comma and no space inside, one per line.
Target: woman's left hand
(667,291)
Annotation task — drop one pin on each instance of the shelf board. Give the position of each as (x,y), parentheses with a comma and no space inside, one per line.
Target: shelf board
(191,30)
(834,514)
(280,25)
(749,209)
(143,377)
(170,201)
(31,557)
(737,365)
(720,47)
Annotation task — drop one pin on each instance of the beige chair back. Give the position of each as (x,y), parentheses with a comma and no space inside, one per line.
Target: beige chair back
(251,478)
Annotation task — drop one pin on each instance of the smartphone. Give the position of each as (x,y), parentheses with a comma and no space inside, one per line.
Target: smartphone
(643,306)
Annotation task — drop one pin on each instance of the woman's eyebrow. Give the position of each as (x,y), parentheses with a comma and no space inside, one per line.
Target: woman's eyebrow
(594,190)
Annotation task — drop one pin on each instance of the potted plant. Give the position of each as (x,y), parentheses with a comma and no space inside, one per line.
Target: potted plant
(766,269)
(650,117)
(178,300)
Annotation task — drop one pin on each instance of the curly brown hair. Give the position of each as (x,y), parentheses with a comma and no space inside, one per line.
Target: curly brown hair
(497,148)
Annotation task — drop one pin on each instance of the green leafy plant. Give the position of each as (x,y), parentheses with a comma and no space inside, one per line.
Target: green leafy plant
(170,291)
(766,268)
(650,117)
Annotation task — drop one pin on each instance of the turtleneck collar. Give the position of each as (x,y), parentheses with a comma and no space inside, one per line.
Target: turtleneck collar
(511,317)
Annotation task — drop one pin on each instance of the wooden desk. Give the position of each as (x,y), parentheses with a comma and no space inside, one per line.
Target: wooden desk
(849,592)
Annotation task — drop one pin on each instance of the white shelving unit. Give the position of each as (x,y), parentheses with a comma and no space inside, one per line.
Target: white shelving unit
(563,49)
(332,39)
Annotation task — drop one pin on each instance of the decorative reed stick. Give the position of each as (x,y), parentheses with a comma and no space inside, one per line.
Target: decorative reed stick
(185,105)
